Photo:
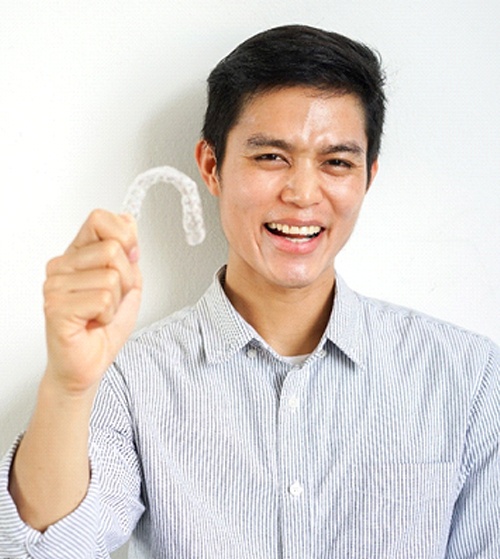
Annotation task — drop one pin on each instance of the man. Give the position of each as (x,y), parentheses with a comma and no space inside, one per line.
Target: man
(283,415)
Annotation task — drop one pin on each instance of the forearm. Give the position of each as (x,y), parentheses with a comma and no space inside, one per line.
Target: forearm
(91,299)
(50,474)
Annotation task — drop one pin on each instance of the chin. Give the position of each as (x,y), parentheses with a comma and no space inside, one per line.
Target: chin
(300,279)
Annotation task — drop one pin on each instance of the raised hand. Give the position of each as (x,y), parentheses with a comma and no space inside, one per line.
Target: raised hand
(92,297)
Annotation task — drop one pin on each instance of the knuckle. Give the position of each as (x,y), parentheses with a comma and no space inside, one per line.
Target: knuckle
(52,266)
(112,249)
(105,299)
(49,285)
(50,306)
(96,216)
(112,277)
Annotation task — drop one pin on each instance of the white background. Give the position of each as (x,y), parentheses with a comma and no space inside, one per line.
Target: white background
(93,93)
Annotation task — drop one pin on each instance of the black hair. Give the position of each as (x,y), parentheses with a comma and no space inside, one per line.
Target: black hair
(288,56)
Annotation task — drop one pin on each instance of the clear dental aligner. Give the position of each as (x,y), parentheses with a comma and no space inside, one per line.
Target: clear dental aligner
(192,213)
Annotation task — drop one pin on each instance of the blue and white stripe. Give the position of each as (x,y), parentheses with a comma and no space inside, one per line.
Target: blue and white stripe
(382,444)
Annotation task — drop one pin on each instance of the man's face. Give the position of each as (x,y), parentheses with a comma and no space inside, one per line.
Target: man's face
(291,185)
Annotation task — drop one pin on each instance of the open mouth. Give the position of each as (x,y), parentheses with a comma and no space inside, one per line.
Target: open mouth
(294,233)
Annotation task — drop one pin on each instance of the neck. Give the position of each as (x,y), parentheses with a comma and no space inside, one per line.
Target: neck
(291,321)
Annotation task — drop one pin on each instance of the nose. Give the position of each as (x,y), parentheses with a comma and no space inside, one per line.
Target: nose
(303,186)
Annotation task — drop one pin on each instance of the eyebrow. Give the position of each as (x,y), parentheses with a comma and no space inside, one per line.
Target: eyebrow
(261,140)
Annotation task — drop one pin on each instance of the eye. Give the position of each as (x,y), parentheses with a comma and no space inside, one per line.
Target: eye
(339,163)
(268,157)
(338,167)
(270,161)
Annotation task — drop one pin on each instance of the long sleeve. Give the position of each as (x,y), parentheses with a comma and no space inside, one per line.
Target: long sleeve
(107,515)
(384,442)
(73,536)
(475,531)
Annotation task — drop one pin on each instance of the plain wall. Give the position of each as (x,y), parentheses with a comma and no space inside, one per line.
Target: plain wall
(95,92)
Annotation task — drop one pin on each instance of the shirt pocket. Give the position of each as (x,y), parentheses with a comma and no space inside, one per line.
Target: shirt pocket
(400,511)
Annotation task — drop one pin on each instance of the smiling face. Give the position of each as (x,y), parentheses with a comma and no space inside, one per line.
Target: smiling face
(290,187)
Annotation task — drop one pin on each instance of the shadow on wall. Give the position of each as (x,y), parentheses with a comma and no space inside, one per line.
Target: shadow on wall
(175,274)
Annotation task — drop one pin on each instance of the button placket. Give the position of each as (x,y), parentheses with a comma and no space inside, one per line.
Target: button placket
(293,403)
(294,458)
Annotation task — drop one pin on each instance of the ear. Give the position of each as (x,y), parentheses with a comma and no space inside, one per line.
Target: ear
(373,173)
(207,165)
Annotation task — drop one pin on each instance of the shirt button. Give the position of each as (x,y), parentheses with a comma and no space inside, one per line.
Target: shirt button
(296,489)
(252,353)
(293,403)
(322,353)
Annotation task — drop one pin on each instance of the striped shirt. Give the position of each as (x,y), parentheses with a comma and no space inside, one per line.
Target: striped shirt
(382,444)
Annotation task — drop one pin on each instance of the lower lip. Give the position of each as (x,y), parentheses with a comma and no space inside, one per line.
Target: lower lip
(292,247)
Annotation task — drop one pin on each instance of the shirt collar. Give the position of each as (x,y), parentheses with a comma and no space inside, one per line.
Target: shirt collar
(345,327)
(225,332)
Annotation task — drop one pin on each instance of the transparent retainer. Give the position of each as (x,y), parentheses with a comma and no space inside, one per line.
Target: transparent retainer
(192,212)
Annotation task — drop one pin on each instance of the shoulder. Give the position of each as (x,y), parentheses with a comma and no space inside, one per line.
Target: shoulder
(405,318)
(412,332)
(181,321)
(165,343)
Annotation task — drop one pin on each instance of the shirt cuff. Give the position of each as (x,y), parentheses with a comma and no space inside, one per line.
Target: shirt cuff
(74,536)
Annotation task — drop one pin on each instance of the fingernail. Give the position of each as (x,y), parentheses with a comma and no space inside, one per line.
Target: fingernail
(134,254)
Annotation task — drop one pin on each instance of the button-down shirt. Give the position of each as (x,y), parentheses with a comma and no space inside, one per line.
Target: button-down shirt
(382,444)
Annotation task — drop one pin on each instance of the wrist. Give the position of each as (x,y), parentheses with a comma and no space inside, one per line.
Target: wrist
(51,389)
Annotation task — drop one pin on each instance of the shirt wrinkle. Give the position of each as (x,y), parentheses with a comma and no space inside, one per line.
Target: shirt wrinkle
(207,444)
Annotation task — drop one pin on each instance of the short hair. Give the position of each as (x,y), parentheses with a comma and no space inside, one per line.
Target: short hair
(294,55)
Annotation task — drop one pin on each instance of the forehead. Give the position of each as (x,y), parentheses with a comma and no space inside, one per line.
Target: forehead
(303,113)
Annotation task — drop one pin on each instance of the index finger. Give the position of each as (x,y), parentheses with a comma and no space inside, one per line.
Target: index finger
(102,225)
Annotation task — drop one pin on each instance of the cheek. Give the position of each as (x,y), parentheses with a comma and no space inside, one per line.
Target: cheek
(347,204)
(353,210)
(236,215)
(241,200)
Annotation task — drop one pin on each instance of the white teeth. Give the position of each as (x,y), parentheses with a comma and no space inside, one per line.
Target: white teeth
(305,230)
(298,239)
